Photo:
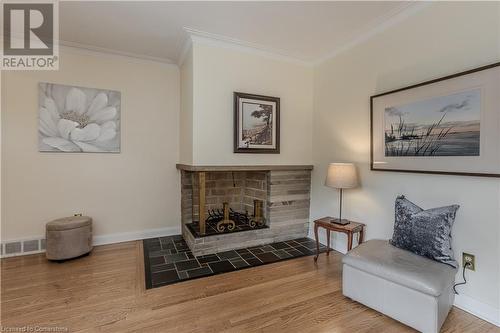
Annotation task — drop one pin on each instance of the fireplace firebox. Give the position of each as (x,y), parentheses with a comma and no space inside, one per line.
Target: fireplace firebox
(227,220)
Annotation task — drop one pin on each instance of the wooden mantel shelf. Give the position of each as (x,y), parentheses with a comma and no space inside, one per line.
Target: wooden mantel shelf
(208,168)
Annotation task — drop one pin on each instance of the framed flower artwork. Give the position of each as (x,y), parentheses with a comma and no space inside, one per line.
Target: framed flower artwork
(76,119)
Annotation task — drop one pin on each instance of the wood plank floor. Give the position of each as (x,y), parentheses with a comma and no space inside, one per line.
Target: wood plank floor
(105,292)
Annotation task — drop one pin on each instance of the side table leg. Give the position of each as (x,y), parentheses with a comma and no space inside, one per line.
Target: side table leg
(327,242)
(349,241)
(317,242)
(361,235)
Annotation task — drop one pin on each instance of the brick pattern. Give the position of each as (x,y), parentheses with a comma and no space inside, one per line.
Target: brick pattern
(220,187)
(187,179)
(289,202)
(239,189)
(286,196)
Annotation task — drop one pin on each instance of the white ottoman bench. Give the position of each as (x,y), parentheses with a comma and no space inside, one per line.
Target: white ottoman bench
(407,287)
(68,237)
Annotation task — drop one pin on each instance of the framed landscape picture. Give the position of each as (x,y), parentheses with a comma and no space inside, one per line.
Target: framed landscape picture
(450,125)
(256,124)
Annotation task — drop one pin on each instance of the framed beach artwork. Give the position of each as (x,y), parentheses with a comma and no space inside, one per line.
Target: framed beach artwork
(450,125)
(256,124)
(75,119)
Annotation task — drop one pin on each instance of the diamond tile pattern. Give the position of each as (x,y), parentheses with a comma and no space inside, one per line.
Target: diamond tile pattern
(168,260)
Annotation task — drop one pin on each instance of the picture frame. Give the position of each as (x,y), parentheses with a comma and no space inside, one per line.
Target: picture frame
(256,124)
(446,126)
(75,119)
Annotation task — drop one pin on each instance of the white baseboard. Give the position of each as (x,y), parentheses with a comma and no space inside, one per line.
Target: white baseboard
(338,246)
(479,309)
(27,253)
(99,240)
(135,235)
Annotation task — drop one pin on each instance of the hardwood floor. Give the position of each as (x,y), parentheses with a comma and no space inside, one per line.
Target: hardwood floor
(105,292)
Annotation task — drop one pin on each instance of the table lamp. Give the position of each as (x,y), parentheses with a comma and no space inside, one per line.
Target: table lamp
(341,176)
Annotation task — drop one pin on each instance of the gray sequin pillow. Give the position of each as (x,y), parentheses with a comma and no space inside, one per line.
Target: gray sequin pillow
(424,232)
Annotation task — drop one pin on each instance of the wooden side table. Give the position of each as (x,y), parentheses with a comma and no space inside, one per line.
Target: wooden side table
(349,229)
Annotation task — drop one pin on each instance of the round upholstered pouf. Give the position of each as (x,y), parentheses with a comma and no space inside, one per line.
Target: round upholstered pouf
(68,237)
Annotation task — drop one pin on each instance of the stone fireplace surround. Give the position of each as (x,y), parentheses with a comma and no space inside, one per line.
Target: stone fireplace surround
(284,190)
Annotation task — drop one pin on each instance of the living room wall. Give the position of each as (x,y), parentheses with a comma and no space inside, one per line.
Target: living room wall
(218,71)
(129,194)
(186,113)
(436,41)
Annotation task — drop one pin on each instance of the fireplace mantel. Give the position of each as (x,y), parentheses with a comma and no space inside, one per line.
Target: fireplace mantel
(212,168)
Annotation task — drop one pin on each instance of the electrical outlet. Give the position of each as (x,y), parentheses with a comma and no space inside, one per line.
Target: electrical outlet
(77,214)
(469,261)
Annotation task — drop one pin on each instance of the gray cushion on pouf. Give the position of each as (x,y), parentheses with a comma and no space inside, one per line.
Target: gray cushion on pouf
(68,237)
(424,232)
(381,259)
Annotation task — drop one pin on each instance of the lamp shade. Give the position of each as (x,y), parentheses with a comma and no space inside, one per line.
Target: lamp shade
(341,175)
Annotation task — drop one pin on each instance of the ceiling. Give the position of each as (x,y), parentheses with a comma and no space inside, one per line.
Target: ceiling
(307,31)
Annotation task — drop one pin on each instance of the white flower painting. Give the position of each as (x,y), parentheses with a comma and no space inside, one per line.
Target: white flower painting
(76,119)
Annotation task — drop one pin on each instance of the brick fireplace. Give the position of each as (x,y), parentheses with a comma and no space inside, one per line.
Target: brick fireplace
(230,207)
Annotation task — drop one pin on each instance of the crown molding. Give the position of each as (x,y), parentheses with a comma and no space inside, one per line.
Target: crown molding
(102,51)
(385,22)
(207,38)
(186,46)
(193,36)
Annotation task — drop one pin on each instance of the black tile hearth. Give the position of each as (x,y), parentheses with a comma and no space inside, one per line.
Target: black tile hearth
(292,243)
(221,266)
(156,260)
(173,258)
(239,263)
(282,254)
(228,255)
(267,257)
(267,248)
(159,268)
(159,253)
(199,272)
(164,277)
(242,251)
(295,253)
(280,245)
(248,255)
(188,264)
(208,258)
(168,260)
(305,250)
(256,250)
(254,262)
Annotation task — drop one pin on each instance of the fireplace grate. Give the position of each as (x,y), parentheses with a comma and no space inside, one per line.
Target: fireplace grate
(216,224)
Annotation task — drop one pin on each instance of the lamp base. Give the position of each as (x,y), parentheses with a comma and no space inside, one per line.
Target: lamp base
(339,221)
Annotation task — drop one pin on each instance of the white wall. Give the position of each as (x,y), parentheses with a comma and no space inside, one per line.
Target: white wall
(186,113)
(441,39)
(219,71)
(133,191)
